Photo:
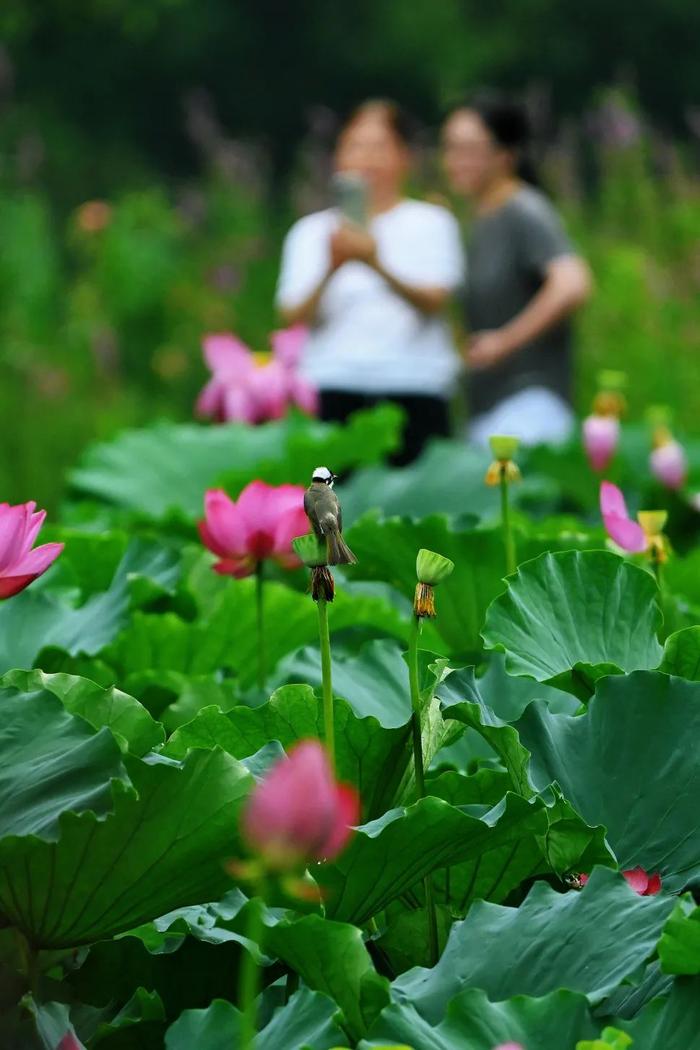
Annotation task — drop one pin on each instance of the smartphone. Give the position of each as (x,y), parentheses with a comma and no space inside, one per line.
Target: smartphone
(350,197)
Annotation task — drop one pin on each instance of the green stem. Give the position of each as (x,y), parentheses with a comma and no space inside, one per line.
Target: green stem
(327,679)
(260,607)
(416,706)
(430,911)
(249,977)
(658,573)
(291,985)
(420,775)
(508,541)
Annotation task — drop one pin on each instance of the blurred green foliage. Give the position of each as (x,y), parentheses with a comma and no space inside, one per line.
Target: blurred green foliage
(132,220)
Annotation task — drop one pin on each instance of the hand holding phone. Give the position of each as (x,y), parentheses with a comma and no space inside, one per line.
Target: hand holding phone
(350,196)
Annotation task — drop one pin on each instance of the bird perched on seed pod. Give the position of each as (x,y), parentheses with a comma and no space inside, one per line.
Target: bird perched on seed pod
(326,517)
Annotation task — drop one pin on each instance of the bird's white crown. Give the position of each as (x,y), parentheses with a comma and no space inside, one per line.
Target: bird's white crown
(323,474)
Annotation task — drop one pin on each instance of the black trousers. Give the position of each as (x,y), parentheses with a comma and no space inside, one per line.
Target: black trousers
(426,417)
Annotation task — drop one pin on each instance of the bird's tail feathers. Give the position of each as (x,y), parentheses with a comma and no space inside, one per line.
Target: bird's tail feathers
(338,551)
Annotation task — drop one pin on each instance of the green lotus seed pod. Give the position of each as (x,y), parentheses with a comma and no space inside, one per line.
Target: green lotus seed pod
(311,552)
(432,568)
(611,379)
(503,447)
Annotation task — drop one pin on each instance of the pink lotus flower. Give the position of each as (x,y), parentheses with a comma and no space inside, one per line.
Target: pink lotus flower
(669,465)
(298,813)
(600,437)
(249,388)
(509,1046)
(642,883)
(19,564)
(260,524)
(288,344)
(625,532)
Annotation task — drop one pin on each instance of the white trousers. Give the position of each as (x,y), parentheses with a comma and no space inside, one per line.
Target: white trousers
(536,416)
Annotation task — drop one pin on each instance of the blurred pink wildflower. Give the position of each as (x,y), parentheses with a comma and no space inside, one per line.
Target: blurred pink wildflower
(251,388)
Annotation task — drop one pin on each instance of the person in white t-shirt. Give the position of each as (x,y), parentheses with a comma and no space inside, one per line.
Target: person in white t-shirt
(374,297)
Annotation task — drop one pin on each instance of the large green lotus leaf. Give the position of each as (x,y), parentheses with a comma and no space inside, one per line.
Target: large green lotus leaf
(392,854)
(162,847)
(331,957)
(51,762)
(447,478)
(507,695)
(374,681)
(225,635)
(490,875)
(377,760)
(130,723)
(387,549)
(671,1024)
(138,1025)
(35,619)
(679,947)
(461,699)
(626,764)
(167,468)
(570,617)
(305,1021)
(585,941)
(682,654)
(554,1022)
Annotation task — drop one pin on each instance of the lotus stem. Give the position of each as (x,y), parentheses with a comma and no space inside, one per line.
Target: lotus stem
(508,541)
(249,978)
(327,680)
(416,705)
(420,774)
(260,610)
(657,566)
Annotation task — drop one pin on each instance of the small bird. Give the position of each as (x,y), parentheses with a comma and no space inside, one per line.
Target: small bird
(323,511)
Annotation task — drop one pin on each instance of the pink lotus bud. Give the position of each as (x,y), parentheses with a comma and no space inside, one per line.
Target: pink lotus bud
(625,532)
(260,524)
(509,1046)
(298,813)
(600,437)
(19,564)
(669,465)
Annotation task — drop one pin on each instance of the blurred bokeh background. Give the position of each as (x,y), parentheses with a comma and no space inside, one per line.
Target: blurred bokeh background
(152,156)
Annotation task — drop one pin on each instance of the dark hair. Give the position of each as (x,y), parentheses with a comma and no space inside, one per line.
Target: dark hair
(508,122)
(399,122)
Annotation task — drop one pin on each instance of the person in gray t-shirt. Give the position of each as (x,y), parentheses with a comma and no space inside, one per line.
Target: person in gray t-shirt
(524,279)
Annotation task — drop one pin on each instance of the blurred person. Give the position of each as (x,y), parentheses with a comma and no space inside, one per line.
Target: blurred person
(525,279)
(373,294)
